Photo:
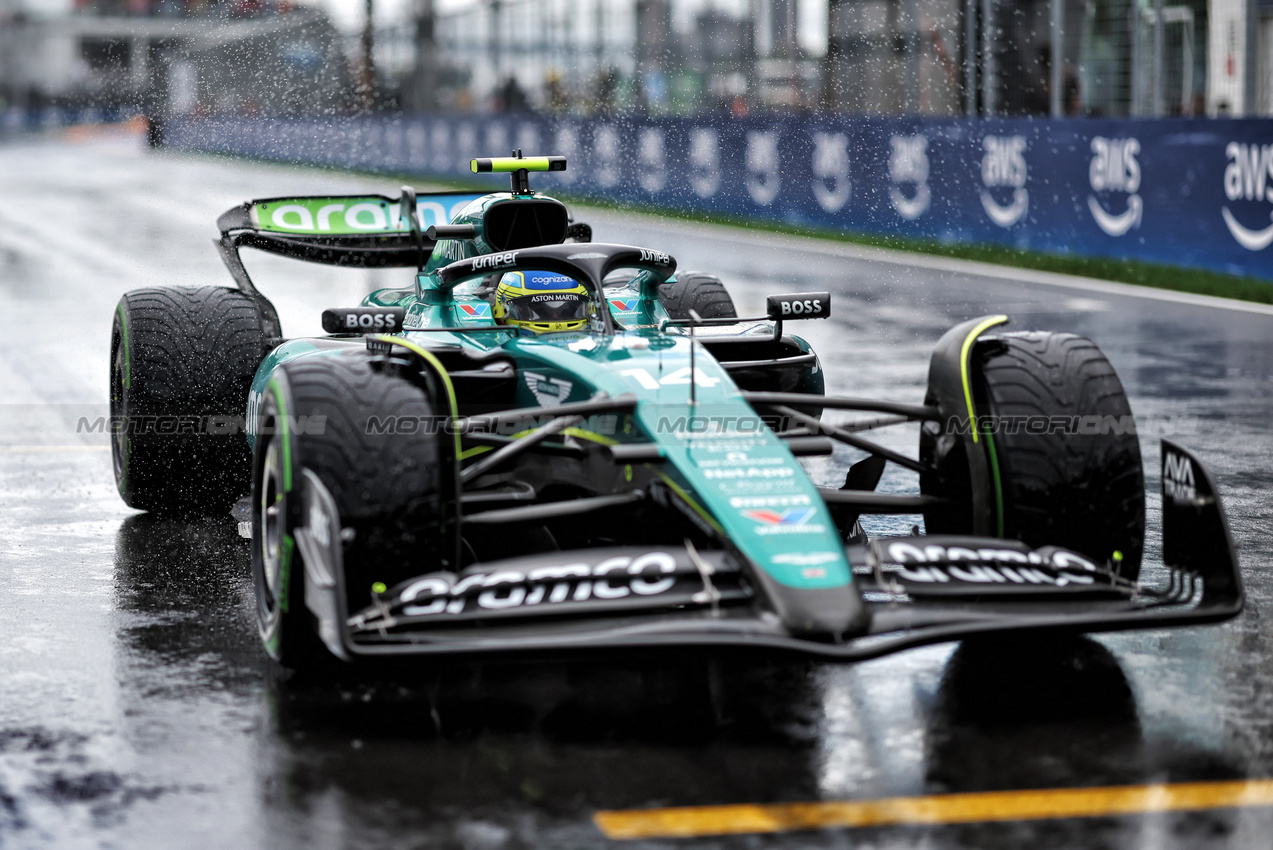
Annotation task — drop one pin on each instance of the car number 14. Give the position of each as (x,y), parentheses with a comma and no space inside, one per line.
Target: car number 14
(677,376)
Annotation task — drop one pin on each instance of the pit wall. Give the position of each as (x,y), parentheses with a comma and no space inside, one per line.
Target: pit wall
(1189,192)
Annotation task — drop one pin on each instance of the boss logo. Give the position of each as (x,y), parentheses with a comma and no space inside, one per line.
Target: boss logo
(363,320)
(804,305)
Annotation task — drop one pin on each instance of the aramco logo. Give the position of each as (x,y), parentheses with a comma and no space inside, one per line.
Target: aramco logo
(908,166)
(1003,167)
(1114,170)
(1246,178)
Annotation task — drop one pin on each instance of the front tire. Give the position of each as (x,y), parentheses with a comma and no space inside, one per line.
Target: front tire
(1063,451)
(341,418)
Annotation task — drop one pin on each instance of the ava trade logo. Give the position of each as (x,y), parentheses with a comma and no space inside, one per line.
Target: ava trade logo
(476,311)
(1246,178)
(1114,169)
(624,305)
(789,521)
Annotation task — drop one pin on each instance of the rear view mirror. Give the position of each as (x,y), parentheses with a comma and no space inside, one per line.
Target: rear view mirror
(799,305)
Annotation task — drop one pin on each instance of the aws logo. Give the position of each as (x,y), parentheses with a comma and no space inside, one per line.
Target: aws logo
(704,161)
(831,185)
(762,180)
(1114,169)
(1246,178)
(652,156)
(908,163)
(1003,167)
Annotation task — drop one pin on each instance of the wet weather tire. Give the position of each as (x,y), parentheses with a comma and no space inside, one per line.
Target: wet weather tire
(182,362)
(339,417)
(1064,446)
(700,292)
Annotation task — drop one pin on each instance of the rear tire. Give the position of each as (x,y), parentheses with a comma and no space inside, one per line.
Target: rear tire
(703,293)
(182,362)
(1076,483)
(386,483)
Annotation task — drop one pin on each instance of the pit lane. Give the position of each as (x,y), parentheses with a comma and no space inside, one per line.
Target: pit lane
(137,710)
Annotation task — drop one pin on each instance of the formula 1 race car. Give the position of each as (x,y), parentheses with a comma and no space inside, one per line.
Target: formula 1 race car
(542,443)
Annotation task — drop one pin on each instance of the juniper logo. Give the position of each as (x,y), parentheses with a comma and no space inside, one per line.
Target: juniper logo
(762,166)
(1114,169)
(1246,178)
(908,164)
(1003,166)
(831,186)
(704,161)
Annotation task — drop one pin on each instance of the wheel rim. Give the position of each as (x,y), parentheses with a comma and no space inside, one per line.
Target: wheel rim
(118,418)
(272,522)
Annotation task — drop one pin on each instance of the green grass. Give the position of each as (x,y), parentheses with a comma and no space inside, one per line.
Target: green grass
(1178,278)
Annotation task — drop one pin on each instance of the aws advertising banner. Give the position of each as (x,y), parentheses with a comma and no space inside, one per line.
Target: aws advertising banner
(1191,192)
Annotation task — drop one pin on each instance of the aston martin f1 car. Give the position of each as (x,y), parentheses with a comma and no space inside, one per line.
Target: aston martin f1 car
(435,477)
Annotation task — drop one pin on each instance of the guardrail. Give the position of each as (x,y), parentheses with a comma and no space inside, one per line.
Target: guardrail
(1189,192)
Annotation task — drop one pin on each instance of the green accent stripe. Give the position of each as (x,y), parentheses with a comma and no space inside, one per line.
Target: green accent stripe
(505,164)
(128,354)
(285,572)
(274,388)
(442,373)
(591,436)
(963,365)
(689,500)
(995,477)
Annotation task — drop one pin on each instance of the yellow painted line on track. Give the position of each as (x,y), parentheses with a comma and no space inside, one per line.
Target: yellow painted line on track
(981,807)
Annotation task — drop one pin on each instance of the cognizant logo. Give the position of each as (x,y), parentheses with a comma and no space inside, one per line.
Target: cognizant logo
(1246,178)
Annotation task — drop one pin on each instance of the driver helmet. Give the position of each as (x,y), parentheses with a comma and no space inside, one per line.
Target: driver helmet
(541,302)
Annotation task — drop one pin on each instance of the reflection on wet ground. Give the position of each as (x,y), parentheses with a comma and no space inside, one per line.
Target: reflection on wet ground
(137,708)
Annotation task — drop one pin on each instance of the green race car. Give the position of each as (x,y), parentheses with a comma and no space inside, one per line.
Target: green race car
(542,443)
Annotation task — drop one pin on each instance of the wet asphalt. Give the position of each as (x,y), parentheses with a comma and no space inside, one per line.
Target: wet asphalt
(137,709)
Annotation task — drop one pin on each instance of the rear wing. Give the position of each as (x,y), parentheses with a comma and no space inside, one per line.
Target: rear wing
(359,231)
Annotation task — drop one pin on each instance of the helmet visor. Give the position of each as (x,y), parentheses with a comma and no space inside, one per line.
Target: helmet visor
(547,307)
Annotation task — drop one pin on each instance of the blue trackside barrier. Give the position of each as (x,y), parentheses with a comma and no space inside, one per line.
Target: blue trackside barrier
(1188,192)
(16,119)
